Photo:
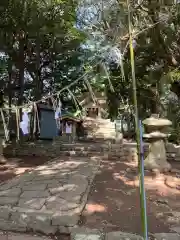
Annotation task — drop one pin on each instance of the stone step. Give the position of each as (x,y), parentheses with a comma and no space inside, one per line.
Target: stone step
(124,236)
(83,145)
(92,149)
(80,153)
(93,234)
(80,149)
(103,133)
(90,146)
(84,236)
(108,129)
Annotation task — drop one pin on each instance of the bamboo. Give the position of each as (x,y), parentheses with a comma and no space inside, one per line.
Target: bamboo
(142,187)
(138,139)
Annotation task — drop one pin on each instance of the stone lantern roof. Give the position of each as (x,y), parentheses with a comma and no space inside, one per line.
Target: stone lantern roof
(157,122)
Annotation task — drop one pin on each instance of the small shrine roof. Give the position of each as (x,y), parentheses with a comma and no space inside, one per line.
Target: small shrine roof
(74,116)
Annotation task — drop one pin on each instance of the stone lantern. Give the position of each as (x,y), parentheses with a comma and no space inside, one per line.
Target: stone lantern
(156,133)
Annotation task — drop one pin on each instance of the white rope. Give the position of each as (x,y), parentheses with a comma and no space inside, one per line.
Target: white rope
(6,132)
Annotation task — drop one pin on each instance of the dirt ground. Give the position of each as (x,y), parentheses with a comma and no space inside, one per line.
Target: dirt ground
(114,204)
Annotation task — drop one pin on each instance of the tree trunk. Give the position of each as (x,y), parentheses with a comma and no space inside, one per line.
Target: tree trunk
(37,91)
(21,73)
(9,83)
(21,66)
(162,50)
(10,94)
(38,71)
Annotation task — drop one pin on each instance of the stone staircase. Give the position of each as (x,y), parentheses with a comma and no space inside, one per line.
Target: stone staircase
(57,148)
(85,149)
(100,140)
(99,128)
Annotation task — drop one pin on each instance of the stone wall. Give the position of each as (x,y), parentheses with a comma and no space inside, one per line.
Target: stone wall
(57,148)
(32,149)
(172,151)
(52,149)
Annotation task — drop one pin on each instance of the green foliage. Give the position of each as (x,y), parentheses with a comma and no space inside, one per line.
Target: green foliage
(51,53)
(174,75)
(173,114)
(51,45)
(156,55)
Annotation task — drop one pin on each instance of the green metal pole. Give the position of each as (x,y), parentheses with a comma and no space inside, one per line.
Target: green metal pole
(141,170)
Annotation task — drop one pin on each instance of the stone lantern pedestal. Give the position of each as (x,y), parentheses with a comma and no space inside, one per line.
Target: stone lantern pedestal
(156,129)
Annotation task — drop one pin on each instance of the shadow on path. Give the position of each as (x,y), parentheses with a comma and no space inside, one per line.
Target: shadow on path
(114,204)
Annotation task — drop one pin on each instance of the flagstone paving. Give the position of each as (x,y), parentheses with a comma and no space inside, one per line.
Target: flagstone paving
(91,234)
(48,199)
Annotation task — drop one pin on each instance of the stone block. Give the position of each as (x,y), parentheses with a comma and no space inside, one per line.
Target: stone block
(42,178)
(56,189)
(8,201)
(122,236)
(35,194)
(85,171)
(69,218)
(5,213)
(35,221)
(84,230)
(19,218)
(46,181)
(34,187)
(35,203)
(166,236)
(70,196)
(7,185)
(78,180)
(176,229)
(59,204)
(14,192)
(24,237)
(12,226)
(27,215)
(25,177)
(54,184)
(42,227)
(82,236)
(64,230)
(3,236)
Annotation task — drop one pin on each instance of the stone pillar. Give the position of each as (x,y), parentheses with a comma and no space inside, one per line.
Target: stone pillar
(118,129)
(156,134)
(2,135)
(73,132)
(99,112)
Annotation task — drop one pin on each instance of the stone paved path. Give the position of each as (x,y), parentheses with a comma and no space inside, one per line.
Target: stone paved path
(14,236)
(48,199)
(90,234)
(93,234)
